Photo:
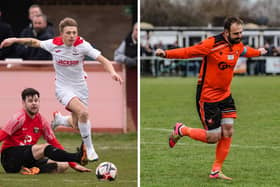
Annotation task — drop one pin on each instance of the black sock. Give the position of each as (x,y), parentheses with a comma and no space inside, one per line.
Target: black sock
(48,168)
(60,155)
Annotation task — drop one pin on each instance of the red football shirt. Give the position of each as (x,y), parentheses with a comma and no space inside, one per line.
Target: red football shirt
(22,130)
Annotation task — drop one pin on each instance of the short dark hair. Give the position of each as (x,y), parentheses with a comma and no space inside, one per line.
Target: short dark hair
(67,22)
(29,92)
(230,20)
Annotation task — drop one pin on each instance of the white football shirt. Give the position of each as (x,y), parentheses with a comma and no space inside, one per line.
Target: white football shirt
(68,60)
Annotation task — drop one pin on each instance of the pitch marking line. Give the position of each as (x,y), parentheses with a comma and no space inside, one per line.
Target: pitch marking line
(203,144)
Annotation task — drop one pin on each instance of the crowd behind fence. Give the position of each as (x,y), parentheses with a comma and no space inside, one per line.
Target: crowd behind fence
(155,66)
(176,37)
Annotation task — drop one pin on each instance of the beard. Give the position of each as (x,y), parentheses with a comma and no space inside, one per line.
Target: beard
(32,112)
(234,40)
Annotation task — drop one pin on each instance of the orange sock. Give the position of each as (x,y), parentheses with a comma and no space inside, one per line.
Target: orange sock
(193,133)
(222,151)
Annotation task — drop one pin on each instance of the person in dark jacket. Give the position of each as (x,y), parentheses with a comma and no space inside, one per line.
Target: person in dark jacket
(126,53)
(5,32)
(41,31)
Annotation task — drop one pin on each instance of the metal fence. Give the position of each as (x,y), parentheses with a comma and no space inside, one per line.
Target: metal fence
(155,66)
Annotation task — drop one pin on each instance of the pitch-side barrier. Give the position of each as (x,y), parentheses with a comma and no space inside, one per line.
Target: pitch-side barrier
(107,103)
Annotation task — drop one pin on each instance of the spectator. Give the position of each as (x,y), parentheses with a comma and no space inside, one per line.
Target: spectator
(268,47)
(146,51)
(5,32)
(127,51)
(127,54)
(41,31)
(34,11)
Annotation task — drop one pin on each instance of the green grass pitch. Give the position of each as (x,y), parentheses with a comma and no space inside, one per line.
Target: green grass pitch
(255,153)
(121,149)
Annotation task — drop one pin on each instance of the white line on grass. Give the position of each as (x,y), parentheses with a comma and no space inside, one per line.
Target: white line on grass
(203,144)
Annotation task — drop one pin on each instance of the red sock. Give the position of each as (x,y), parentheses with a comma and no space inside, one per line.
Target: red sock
(193,133)
(222,151)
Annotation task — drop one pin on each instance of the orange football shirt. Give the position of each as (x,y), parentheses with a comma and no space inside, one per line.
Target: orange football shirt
(217,68)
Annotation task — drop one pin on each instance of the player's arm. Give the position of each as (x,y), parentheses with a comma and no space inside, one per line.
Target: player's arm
(109,67)
(252,52)
(12,126)
(31,42)
(199,50)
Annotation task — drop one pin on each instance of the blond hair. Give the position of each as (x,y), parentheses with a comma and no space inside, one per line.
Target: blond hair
(67,22)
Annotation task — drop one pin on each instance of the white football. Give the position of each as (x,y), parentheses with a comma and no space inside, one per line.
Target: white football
(106,171)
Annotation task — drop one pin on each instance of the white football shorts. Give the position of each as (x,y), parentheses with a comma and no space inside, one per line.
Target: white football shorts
(64,94)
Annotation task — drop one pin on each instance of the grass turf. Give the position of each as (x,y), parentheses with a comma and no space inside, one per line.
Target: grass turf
(254,156)
(120,149)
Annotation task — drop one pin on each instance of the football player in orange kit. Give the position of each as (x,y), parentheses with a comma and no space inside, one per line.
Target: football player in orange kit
(215,104)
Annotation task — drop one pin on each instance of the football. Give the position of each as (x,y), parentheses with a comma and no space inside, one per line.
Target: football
(106,171)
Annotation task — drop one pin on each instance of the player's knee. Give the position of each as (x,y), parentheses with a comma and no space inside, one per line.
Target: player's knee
(228,133)
(83,115)
(38,150)
(213,138)
(227,130)
(39,147)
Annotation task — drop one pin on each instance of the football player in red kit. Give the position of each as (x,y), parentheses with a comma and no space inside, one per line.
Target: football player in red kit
(20,151)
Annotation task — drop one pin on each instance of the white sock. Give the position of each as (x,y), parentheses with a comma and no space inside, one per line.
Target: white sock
(62,120)
(85,131)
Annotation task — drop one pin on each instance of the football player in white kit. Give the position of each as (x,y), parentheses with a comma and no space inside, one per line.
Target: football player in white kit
(68,52)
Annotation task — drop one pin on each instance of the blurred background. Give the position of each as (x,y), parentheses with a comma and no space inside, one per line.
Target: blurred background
(103,23)
(182,23)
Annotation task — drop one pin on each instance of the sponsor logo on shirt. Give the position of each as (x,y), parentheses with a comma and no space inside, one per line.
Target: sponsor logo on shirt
(67,62)
(57,51)
(224,65)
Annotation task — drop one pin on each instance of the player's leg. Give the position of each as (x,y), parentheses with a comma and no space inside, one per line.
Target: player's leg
(51,166)
(39,151)
(222,149)
(81,111)
(12,159)
(62,166)
(64,96)
(66,121)
(210,116)
(46,165)
(228,113)
(60,120)
(75,119)
(223,145)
